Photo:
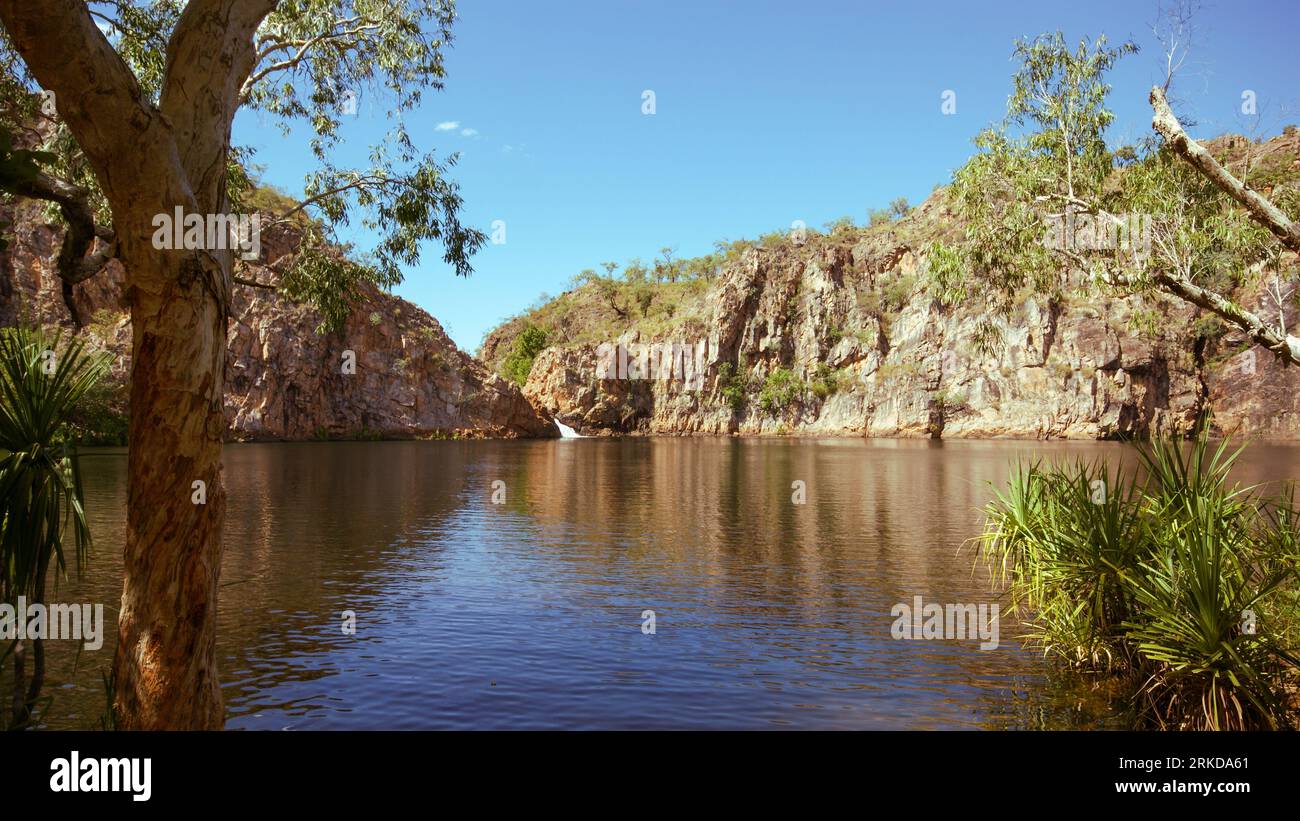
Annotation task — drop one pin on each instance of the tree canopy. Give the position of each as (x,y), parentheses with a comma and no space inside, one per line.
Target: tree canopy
(315,63)
(1050,208)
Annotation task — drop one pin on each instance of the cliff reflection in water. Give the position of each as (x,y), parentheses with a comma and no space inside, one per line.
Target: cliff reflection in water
(528,614)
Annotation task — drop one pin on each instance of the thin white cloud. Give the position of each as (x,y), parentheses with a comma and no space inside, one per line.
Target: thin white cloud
(450,125)
(469,132)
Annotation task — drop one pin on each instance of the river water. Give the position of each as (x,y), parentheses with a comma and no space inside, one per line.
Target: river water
(506,585)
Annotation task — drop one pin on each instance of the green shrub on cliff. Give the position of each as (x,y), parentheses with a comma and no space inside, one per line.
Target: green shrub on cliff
(826,381)
(781,389)
(881,216)
(519,362)
(843,225)
(896,293)
(731,387)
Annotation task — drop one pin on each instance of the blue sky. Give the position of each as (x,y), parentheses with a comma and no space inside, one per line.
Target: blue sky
(766,112)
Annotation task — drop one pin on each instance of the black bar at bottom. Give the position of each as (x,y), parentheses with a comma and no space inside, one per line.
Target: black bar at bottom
(330,770)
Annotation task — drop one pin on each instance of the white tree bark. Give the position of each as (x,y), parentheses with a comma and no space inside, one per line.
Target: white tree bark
(1285,345)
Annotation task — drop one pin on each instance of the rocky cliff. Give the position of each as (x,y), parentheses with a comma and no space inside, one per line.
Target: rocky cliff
(283,379)
(836,333)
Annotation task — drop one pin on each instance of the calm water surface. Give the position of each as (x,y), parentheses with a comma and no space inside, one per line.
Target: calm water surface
(528,614)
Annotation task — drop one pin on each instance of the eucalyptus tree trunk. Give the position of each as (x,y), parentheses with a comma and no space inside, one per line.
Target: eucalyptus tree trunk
(165,670)
(150,159)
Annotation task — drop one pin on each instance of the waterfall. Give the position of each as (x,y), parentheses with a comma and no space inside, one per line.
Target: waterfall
(567,432)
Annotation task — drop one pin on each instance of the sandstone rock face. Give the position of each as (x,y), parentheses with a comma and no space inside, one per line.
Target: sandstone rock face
(1069,371)
(30,288)
(285,381)
(410,379)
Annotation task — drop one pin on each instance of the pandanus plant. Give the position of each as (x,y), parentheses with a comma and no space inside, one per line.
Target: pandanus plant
(1215,616)
(42,377)
(1176,577)
(1060,542)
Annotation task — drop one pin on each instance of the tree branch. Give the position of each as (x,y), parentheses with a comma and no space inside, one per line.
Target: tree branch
(368,181)
(1287,347)
(97,96)
(73,201)
(209,56)
(271,43)
(252,283)
(304,48)
(1260,209)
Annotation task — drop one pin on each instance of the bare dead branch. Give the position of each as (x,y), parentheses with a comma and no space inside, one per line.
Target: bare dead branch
(1287,347)
(1260,209)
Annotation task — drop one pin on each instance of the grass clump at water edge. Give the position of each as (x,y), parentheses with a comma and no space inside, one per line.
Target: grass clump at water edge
(1172,577)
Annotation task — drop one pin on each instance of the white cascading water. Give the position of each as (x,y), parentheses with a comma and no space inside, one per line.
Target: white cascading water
(567,432)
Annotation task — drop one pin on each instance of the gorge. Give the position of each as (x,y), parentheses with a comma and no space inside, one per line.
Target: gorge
(839,330)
